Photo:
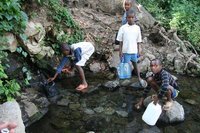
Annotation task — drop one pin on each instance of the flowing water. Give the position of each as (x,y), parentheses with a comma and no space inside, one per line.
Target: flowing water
(96,111)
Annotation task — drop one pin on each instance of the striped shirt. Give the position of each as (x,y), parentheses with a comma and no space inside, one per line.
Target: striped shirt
(163,79)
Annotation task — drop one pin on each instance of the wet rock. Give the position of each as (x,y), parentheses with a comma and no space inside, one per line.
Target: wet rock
(99,109)
(109,111)
(125,82)
(190,101)
(112,85)
(122,113)
(57,123)
(63,102)
(89,111)
(170,129)
(74,106)
(153,129)
(175,114)
(30,108)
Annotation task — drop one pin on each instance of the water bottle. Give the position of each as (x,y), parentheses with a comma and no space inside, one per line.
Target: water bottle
(152,113)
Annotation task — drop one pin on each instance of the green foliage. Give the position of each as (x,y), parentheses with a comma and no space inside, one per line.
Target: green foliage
(8,88)
(186,18)
(12,18)
(21,51)
(64,20)
(182,15)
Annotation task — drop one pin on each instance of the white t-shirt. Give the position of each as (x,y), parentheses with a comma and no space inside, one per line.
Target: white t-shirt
(87,49)
(130,35)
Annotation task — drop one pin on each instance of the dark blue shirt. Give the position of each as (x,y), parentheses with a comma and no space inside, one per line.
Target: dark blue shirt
(77,54)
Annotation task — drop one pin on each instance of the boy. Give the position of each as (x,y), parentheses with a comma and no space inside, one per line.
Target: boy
(163,80)
(81,51)
(127,4)
(129,36)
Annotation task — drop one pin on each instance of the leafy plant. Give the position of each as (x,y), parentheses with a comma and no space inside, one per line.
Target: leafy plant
(8,88)
(21,51)
(12,18)
(182,15)
(63,20)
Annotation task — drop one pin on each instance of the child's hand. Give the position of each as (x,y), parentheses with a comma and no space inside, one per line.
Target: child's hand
(155,99)
(51,79)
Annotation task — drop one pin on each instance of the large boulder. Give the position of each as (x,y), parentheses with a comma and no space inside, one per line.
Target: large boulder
(34,45)
(10,111)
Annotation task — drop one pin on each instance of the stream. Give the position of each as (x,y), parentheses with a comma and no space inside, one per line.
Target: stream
(106,110)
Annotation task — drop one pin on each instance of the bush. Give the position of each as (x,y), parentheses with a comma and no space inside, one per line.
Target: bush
(12,18)
(182,15)
(8,88)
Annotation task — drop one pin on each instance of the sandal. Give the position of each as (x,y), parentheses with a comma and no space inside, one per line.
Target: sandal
(81,87)
(167,106)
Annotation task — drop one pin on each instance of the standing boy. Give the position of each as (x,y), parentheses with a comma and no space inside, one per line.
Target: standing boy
(129,36)
(162,83)
(82,52)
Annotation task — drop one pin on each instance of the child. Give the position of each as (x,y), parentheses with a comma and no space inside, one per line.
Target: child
(163,80)
(129,36)
(81,51)
(127,4)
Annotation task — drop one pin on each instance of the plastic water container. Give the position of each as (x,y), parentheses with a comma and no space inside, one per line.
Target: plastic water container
(152,113)
(124,70)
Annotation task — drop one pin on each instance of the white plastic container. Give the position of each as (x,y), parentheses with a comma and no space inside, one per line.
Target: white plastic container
(152,113)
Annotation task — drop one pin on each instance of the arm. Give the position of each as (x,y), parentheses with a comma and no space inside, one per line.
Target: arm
(59,68)
(120,50)
(164,85)
(120,39)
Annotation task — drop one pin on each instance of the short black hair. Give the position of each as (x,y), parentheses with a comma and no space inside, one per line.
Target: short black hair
(65,47)
(156,62)
(131,11)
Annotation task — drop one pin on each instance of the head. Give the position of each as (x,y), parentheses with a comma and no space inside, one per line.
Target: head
(127,4)
(65,48)
(155,66)
(130,15)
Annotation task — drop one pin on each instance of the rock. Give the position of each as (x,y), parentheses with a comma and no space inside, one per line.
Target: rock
(30,108)
(10,44)
(97,67)
(99,109)
(150,129)
(89,111)
(10,111)
(190,101)
(109,111)
(175,114)
(144,65)
(74,106)
(63,102)
(122,113)
(111,85)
